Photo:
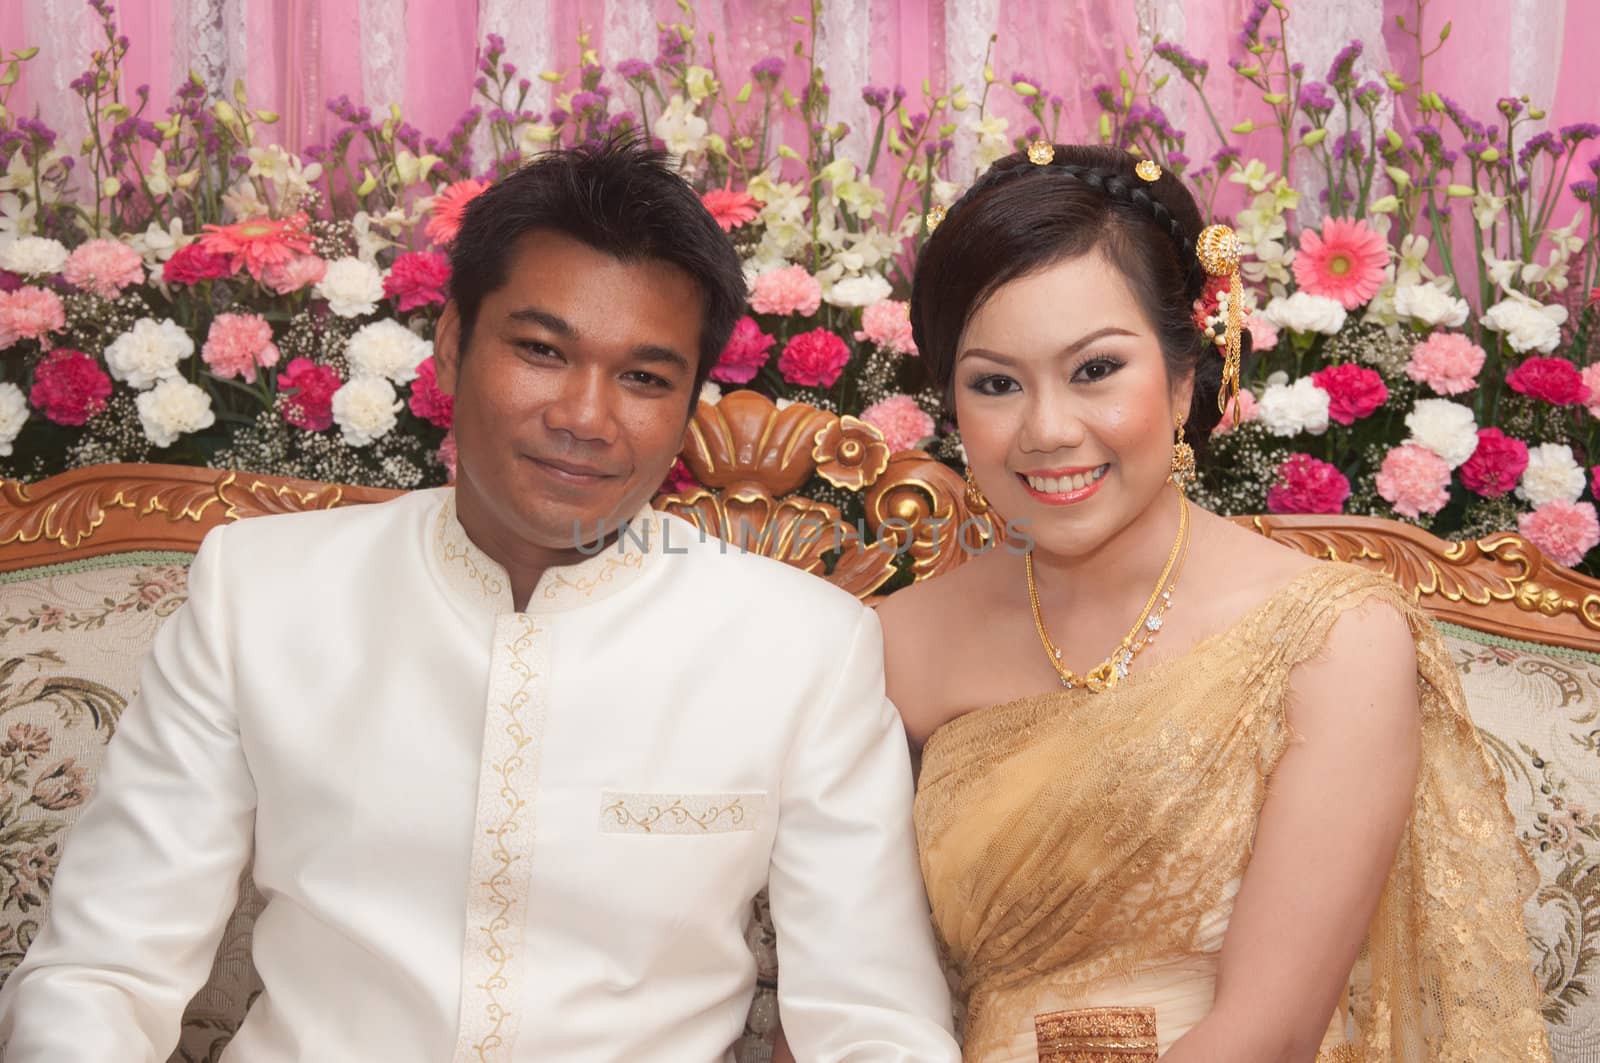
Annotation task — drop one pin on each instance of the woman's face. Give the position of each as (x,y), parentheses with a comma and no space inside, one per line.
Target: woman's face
(1065,406)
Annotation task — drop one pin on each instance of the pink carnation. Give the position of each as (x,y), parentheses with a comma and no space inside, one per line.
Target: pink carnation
(450,207)
(1591,380)
(1447,362)
(417,278)
(1354,391)
(192,264)
(1414,480)
(69,387)
(103,267)
(887,323)
(427,401)
(814,359)
(310,389)
(1496,465)
(903,423)
(301,271)
(790,290)
(1345,262)
(447,456)
(747,351)
(1263,333)
(237,345)
(30,313)
(1554,380)
(1566,531)
(1594,481)
(1238,413)
(1306,485)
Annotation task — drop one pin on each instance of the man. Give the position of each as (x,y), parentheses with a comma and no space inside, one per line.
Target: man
(514,757)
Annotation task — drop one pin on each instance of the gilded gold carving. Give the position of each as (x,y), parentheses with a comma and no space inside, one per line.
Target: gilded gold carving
(850,453)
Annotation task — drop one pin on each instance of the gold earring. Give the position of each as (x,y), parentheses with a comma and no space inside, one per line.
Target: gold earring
(1183,473)
(976,501)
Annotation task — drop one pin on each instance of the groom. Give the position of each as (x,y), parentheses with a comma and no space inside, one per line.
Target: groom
(511,772)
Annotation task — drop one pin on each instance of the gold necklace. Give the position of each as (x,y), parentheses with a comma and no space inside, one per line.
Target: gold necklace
(1108,672)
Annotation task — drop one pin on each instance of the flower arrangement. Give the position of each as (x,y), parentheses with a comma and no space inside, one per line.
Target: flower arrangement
(1423,318)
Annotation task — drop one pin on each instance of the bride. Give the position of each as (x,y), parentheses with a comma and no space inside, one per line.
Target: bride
(1183,791)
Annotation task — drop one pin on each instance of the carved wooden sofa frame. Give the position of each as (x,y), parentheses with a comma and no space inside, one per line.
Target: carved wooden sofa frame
(752,458)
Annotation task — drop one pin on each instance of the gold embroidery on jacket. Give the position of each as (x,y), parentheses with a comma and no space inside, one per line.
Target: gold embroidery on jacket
(622,813)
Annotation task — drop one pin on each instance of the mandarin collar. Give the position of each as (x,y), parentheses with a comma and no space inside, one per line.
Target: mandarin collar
(483,583)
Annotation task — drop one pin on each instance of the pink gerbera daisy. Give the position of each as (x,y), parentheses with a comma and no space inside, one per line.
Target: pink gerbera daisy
(730,209)
(259,244)
(1345,262)
(450,206)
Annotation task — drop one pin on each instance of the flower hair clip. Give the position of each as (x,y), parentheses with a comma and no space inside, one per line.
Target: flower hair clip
(936,215)
(1218,252)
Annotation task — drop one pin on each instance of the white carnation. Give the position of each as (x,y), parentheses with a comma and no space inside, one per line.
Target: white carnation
(1429,305)
(364,409)
(33,256)
(13,415)
(1289,409)
(387,349)
(859,291)
(1528,325)
(1304,312)
(172,408)
(1444,427)
(149,352)
(1552,475)
(351,287)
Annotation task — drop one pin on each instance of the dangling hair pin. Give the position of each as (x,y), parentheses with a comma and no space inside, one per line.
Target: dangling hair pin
(1218,251)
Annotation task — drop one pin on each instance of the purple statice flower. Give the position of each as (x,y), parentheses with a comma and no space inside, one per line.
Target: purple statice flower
(1585,191)
(1033,132)
(1105,96)
(1542,142)
(632,69)
(875,97)
(1349,146)
(1578,132)
(670,48)
(584,102)
(1226,156)
(559,117)
(620,120)
(1470,127)
(1177,160)
(899,94)
(1314,98)
(1369,95)
(1509,106)
(1341,74)
(1594,165)
(1251,32)
(767,70)
(84,82)
(1189,65)
(523,85)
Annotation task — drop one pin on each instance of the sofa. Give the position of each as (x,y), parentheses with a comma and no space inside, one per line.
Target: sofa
(92,561)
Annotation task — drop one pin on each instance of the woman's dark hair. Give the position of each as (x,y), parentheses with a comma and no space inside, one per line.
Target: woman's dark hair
(618,197)
(1020,217)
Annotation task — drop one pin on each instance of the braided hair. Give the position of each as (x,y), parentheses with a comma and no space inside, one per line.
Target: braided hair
(1021,217)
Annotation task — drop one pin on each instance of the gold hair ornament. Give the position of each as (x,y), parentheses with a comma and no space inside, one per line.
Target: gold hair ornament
(1218,251)
(1148,170)
(936,215)
(1041,152)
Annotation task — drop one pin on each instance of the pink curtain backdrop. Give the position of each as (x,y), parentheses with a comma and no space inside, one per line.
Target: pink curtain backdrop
(295,54)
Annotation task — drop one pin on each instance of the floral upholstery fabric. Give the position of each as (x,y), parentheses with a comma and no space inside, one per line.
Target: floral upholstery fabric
(1538,710)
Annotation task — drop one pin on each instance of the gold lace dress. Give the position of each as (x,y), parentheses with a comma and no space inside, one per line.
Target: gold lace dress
(1082,850)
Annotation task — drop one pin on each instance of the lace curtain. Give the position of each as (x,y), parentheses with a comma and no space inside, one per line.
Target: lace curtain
(295,54)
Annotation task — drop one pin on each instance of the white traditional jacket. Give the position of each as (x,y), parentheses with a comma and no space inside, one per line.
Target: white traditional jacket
(485,834)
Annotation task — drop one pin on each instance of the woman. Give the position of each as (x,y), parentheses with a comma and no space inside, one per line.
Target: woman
(1183,790)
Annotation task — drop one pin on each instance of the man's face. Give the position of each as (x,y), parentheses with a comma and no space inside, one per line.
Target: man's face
(572,393)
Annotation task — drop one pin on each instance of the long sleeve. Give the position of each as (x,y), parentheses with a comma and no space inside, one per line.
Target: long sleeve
(858,973)
(148,876)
